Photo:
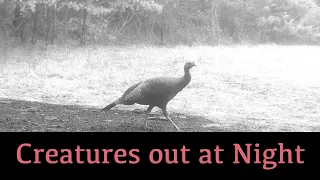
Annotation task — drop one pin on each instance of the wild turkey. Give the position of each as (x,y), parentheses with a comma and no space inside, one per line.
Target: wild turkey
(155,92)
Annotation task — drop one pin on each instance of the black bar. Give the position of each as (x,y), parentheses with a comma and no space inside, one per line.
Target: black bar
(305,164)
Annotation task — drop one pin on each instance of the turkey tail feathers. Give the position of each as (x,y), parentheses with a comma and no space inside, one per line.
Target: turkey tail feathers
(107,108)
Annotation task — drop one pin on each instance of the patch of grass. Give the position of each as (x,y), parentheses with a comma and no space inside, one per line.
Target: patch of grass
(260,88)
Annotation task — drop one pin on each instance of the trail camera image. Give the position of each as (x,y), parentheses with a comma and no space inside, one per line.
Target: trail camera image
(159,65)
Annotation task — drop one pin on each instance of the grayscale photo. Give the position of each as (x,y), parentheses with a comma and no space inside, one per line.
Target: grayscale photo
(159,65)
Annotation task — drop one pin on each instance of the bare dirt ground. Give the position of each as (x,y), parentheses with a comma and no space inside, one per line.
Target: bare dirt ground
(27,116)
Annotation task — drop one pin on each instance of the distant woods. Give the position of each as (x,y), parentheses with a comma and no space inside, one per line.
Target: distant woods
(166,22)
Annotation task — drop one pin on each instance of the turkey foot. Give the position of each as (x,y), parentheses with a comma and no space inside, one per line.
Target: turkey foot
(158,118)
(179,129)
(148,128)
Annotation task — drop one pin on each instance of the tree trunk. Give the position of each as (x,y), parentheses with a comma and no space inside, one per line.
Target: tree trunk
(215,27)
(35,24)
(5,41)
(5,11)
(23,33)
(16,21)
(54,19)
(19,23)
(161,33)
(48,35)
(84,26)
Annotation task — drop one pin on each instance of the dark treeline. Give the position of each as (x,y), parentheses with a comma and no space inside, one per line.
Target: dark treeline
(166,22)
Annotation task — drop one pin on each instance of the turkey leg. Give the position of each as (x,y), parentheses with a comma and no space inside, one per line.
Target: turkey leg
(147,115)
(165,113)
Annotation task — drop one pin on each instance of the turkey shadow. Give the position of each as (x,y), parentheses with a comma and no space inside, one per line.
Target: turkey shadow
(33,116)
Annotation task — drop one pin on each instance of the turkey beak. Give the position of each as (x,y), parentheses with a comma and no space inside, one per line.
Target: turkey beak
(194,64)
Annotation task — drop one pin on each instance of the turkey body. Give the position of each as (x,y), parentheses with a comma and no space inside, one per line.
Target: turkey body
(155,92)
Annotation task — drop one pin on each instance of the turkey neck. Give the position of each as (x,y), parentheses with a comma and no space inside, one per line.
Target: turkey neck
(186,78)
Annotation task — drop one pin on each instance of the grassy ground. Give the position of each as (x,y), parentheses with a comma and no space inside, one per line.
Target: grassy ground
(260,88)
